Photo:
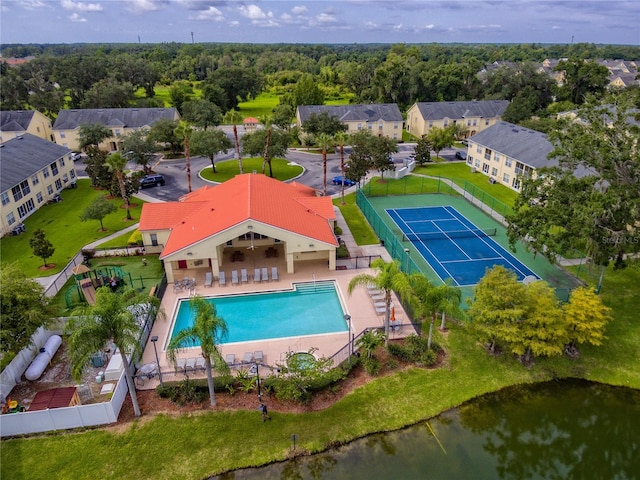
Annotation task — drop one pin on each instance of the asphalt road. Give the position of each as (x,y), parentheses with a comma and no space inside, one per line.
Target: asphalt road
(175,171)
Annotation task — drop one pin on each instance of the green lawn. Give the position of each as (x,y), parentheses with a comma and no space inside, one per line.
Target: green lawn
(460,173)
(197,446)
(62,226)
(282,169)
(259,107)
(362,232)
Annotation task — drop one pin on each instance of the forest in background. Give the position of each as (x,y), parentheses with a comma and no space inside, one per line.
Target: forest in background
(128,75)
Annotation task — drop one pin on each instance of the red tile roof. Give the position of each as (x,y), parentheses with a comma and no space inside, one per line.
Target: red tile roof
(211,210)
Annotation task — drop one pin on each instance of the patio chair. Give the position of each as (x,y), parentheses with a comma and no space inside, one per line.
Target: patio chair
(208,279)
(265,274)
(222,281)
(230,358)
(234,277)
(274,273)
(190,364)
(181,364)
(256,275)
(257,356)
(243,275)
(200,363)
(248,357)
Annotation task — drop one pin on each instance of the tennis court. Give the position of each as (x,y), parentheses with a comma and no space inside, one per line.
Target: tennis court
(452,245)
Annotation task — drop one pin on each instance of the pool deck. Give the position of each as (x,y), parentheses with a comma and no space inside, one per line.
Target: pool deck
(359,305)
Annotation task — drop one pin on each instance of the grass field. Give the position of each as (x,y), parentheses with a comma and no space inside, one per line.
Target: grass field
(362,232)
(63,228)
(195,446)
(282,169)
(259,107)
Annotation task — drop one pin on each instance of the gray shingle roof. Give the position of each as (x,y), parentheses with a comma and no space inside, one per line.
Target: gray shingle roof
(521,144)
(455,110)
(15,120)
(112,117)
(389,112)
(24,156)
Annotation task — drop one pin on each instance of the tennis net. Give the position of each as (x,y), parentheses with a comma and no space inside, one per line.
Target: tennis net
(470,233)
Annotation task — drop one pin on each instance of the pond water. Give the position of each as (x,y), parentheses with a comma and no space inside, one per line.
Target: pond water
(556,430)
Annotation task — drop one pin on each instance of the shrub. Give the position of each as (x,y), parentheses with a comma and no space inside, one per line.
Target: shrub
(415,351)
(337,230)
(371,365)
(135,238)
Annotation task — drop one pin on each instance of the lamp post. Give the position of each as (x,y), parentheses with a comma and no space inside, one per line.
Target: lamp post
(347,317)
(154,339)
(258,381)
(408,252)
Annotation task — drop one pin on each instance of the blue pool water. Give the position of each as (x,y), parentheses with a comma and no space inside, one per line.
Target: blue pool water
(308,309)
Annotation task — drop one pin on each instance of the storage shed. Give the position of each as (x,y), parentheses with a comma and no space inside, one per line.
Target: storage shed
(55,398)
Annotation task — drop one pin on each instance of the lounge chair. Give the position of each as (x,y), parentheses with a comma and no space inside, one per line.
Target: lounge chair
(257,356)
(222,281)
(265,274)
(274,273)
(190,364)
(377,297)
(234,277)
(243,275)
(230,358)
(200,364)
(248,357)
(208,279)
(256,275)
(181,364)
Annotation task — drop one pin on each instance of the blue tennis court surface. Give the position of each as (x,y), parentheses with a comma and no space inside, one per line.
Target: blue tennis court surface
(453,246)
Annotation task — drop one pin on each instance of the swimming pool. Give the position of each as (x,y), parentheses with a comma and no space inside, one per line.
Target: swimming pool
(308,309)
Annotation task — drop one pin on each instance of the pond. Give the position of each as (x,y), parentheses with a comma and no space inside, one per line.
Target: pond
(556,430)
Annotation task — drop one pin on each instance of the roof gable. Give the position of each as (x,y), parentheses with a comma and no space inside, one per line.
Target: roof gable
(15,120)
(112,117)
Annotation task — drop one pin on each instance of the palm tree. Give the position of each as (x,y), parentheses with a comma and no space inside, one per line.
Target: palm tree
(324,140)
(234,117)
(116,163)
(108,320)
(266,121)
(207,326)
(184,131)
(341,139)
(389,277)
(450,305)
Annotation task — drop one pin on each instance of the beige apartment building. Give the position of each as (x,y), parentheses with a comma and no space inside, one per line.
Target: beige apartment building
(14,123)
(121,121)
(382,119)
(32,172)
(475,115)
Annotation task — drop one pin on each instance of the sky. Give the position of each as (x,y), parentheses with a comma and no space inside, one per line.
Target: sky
(320,21)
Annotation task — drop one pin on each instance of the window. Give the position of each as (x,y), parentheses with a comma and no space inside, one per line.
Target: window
(35,180)
(519,168)
(475,122)
(507,162)
(505,178)
(11,219)
(430,123)
(369,126)
(395,136)
(477,163)
(49,189)
(63,135)
(487,154)
(118,132)
(38,129)
(359,126)
(395,126)
(380,125)
(17,193)
(516,183)
(154,239)
(485,168)
(21,190)
(479,149)
(497,157)
(58,184)
(25,208)
(61,162)
(39,197)
(468,123)
(72,173)
(494,172)
(65,178)
(5,198)
(446,123)
(486,122)
(470,161)
(45,173)
(54,168)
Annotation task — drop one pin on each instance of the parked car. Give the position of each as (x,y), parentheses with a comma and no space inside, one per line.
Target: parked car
(461,155)
(339,180)
(75,156)
(152,181)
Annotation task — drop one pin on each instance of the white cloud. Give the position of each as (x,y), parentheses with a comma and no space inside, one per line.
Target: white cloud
(139,6)
(234,23)
(31,5)
(212,13)
(326,18)
(301,10)
(253,12)
(77,18)
(81,6)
